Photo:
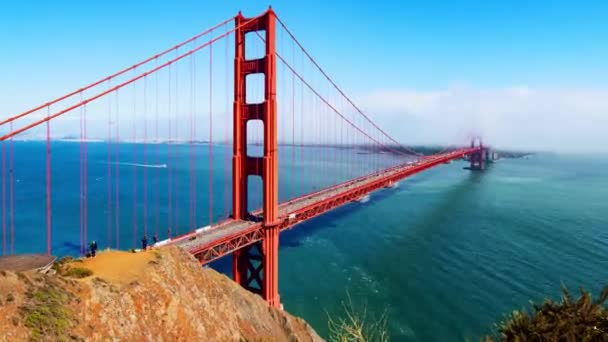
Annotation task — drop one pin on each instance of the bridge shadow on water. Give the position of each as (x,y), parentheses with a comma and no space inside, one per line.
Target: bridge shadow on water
(457,196)
(432,217)
(296,236)
(66,248)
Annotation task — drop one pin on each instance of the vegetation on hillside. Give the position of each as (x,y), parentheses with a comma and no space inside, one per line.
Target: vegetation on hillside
(125,296)
(581,319)
(45,310)
(77,272)
(67,267)
(356,326)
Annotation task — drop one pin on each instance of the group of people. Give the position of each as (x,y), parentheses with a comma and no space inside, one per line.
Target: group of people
(144,242)
(144,245)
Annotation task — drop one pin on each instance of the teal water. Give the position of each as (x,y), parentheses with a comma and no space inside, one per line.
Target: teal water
(445,254)
(449,252)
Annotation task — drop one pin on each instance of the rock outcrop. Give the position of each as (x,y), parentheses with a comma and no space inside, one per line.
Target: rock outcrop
(157,295)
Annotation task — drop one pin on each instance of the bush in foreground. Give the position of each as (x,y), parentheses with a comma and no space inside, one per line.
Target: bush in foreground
(583,319)
(356,326)
(78,272)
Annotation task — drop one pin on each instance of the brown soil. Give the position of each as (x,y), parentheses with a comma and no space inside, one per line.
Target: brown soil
(24,262)
(119,267)
(159,295)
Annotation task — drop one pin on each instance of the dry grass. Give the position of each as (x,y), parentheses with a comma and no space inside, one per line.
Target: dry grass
(356,326)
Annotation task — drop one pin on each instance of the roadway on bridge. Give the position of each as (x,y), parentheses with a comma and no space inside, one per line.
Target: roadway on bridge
(289,211)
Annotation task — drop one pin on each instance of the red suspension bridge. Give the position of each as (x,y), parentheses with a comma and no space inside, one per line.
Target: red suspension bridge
(239,124)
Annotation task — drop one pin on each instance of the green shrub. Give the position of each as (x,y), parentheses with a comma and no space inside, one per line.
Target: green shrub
(78,272)
(46,313)
(582,319)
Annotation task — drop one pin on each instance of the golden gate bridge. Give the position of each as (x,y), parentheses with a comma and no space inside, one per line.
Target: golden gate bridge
(268,118)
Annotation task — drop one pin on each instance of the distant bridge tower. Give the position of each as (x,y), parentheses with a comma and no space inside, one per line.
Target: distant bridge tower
(478,158)
(255,267)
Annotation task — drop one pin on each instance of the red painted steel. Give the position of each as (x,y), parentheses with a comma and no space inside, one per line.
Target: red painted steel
(48,187)
(256,267)
(3,199)
(121,72)
(254,243)
(117,87)
(254,233)
(341,92)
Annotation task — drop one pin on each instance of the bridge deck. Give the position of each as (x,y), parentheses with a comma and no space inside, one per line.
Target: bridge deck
(226,228)
(206,237)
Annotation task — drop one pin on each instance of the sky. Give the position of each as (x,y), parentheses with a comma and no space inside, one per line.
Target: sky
(522,74)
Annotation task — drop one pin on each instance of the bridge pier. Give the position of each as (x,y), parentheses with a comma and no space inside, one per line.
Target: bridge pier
(255,267)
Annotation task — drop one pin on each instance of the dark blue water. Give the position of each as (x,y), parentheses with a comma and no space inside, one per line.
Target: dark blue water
(445,254)
(153,189)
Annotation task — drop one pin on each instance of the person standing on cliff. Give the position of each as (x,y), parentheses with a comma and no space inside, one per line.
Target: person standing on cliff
(93,248)
(154,240)
(144,243)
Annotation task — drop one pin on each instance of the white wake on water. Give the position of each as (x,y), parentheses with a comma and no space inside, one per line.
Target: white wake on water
(154,166)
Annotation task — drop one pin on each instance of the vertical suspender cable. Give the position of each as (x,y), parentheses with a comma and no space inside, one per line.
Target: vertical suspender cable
(282,117)
(176,152)
(109,170)
(301,123)
(134,167)
(194,195)
(157,159)
(81,197)
(191,149)
(48,183)
(85,176)
(169,161)
(227,142)
(211,132)
(117,172)
(3,198)
(334,133)
(293,124)
(11,193)
(194,186)
(145,148)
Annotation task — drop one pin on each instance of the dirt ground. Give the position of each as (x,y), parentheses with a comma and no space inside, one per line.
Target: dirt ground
(157,295)
(24,262)
(119,267)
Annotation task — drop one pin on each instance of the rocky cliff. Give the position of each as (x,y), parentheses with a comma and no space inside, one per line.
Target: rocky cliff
(159,295)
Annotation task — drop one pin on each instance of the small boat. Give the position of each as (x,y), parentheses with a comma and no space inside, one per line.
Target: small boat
(392,185)
(363,199)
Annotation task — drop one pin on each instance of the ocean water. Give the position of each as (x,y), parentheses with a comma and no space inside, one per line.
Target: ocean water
(444,255)
(449,252)
(136,189)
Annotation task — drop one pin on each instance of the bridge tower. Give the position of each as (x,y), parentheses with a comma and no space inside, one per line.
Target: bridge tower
(477,159)
(255,267)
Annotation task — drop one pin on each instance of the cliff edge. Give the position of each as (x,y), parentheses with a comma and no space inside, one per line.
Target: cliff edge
(160,295)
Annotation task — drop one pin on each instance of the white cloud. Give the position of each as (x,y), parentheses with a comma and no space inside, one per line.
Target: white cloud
(519,117)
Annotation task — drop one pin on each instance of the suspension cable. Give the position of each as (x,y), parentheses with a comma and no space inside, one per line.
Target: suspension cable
(342,92)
